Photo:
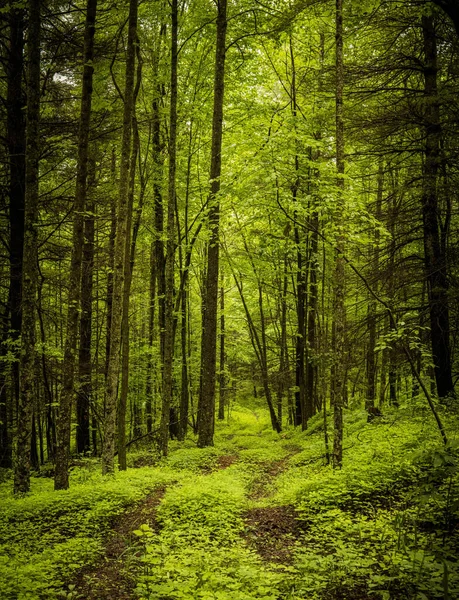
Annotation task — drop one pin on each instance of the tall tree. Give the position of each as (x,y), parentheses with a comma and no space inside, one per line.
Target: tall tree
(61,476)
(166,389)
(113,368)
(339,312)
(206,404)
(30,269)
(15,122)
(434,245)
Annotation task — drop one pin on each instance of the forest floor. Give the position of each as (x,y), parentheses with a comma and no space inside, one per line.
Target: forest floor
(256,517)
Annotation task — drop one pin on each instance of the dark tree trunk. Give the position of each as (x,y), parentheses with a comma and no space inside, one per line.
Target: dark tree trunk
(113,371)
(371,363)
(434,256)
(206,405)
(149,400)
(166,390)
(129,260)
(111,263)
(83,400)
(15,105)
(301,284)
(30,268)
(339,312)
(221,376)
(311,402)
(61,476)
(283,354)
(5,440)
(47,385)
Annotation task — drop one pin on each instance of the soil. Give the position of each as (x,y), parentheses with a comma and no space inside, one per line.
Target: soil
(114,577)
(273,532)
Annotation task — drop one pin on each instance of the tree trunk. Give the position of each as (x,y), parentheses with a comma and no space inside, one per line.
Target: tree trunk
(111,263)
(283,357)
(301,285)
(16,133)
(30,269)
(206,404)
(83,400)
(113,371)
(149,400)
(370,397)
(221,376)
(166,390)
(129,259)
(61,476)
(339,312)
(311,402)
(434,256)
(5,440)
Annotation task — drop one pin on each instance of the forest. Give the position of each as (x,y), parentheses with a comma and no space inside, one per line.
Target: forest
(229,299)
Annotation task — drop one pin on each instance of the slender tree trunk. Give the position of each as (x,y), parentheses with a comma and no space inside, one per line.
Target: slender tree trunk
(129,259)
(206,405)
(370,397)
(113,371)
(5,440)
(83,400)
(221,376)
(283,358)
(151,328)
(61,476)
(301,286)
(30,269)
(166,391)
(434,257)
(47,385)
(111,262)
(16,133)
(339,312)
(311,402)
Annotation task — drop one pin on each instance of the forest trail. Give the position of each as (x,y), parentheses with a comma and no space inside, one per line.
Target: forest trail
(255,517)
(270,530)
(112,577)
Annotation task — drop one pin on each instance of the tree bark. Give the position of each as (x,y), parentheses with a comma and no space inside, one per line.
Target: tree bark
(149,400)
(221,376)
(16,134)
(370,398)
(30,268)
(339,312)
(434,256)
(84,392)
(166,390)
(129,259)
(61,476)
(311,401)
(113,371)
(206,404)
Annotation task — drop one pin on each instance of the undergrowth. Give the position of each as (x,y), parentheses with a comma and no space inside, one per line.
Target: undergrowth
(48,536)
(385,526)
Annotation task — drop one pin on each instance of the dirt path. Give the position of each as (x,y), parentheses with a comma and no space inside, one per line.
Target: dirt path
(114,578)
(272,531)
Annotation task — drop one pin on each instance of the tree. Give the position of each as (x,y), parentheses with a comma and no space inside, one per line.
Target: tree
(29,268)
(113,370)
(61,476)
(166,389)
(206,406)
(339,311)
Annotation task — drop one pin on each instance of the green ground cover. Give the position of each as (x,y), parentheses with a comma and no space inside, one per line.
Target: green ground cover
(384,526)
